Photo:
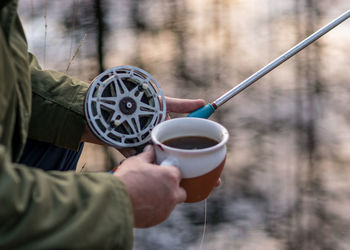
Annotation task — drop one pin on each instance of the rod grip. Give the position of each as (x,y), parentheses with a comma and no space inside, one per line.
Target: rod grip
(203,112)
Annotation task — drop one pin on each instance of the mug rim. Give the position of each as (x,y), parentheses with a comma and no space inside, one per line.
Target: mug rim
(222,142)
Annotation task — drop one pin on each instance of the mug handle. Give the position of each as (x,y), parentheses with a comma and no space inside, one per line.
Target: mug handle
(170,161)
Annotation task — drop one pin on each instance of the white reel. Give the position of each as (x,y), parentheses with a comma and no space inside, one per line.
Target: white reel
(123,105)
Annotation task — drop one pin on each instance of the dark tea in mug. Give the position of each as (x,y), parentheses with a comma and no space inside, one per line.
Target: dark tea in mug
(190,142)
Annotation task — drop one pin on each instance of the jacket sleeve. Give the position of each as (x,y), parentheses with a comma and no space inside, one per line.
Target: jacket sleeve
(57,107)
(58,210)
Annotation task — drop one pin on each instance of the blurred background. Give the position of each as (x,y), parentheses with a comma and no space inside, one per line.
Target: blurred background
(286,181)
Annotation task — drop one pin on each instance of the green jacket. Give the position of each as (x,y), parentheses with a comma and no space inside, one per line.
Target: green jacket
(40,210)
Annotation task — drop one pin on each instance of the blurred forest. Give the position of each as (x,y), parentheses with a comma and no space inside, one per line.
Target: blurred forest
(286,182)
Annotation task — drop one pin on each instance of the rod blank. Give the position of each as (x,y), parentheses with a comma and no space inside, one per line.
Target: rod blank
(278,61)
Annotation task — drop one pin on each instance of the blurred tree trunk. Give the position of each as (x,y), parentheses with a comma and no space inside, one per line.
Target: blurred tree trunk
(296,240)
(139,27)
(100,36)
(317,236)
(307,225)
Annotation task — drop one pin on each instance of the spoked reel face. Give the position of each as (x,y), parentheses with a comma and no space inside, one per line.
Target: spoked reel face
(123,105)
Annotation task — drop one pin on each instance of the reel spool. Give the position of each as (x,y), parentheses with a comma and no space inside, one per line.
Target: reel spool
(122,106)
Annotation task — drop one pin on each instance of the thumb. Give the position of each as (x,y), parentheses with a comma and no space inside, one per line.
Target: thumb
(147,154)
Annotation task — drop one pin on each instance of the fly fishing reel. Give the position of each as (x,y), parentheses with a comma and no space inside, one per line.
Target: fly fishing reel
(123,105)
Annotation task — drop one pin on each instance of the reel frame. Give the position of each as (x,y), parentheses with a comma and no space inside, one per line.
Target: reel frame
(122,106)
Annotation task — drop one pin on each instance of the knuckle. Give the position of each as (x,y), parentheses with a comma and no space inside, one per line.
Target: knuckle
(175,175)
(173,198)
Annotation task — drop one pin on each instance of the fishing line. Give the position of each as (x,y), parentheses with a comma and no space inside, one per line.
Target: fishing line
(204,225)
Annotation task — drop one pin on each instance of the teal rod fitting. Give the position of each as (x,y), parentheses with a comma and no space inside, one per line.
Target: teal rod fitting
(203,112)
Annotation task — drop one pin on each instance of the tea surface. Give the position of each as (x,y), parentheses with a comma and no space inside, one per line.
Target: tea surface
(191,142)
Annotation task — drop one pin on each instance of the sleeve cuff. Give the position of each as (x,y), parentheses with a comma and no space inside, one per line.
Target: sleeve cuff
(122,204)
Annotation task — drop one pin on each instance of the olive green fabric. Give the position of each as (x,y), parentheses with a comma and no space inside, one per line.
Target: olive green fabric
(40,210)
(57,107)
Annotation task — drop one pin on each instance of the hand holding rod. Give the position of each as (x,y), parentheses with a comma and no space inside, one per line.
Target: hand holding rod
(209,109)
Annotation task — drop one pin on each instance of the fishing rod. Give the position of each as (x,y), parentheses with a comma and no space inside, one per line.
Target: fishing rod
(124,103)
(207,110)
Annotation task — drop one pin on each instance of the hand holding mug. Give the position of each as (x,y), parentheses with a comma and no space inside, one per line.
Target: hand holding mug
(201,166)
(153,191)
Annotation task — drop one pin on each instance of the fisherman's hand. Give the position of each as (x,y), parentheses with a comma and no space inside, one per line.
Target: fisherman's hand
(154,191)
(182,106)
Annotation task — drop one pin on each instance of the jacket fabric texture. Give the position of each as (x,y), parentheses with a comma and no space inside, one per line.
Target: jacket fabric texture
(46,210)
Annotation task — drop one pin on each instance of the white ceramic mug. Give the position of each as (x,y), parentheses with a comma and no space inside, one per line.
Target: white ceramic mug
(200,168)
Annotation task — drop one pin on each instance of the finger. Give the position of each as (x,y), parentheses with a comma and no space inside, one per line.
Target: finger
(148,154)
(180,195)
(127,152)
(218,183)
(176,173)
(177,105)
